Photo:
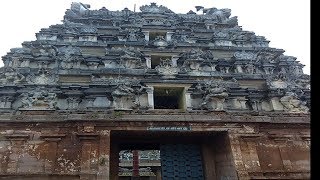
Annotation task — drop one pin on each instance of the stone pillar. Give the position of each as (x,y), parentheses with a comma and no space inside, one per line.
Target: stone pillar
(51,146)
(150,97)
(168,36)
(253,162)
(174,61)
(146,35)
(283,149)
(88,141)
(239,69)
(148,61)
(237,157)
(227,69)
(242,101)
(104,155)
(188,100)
(17,141)
(256,104)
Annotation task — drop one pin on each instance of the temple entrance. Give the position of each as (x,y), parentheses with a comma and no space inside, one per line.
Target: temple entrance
(148,155)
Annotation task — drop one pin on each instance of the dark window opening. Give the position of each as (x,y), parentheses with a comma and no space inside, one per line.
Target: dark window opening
(166,102)
(168,98)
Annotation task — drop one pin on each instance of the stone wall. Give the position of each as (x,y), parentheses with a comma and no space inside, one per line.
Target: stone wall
(76,149)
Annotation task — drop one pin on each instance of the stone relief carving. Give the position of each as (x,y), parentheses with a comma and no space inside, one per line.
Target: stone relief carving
(198,60)
(42,77)
(13,62)
(221,34)
(5,102)
(250,68)
(70,57)
(268,69)
(214,95)
(292,103)
(131,58)
(265,57)
(182,38)
(126,97)
(73,102)
(38,99)
(160,42)
(166,68)
(88,29)
(77,9)
(11,76)
(154,8)
(278,81)
(242,55)
(219,15)
(197,54)
(132,36)
(43,50)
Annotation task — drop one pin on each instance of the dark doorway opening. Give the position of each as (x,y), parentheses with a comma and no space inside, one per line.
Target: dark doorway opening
(168,98)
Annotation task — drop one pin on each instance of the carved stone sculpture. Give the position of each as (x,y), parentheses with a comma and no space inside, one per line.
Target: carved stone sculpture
(166,68)
(291,103)
(215,95)
(11,76)
(38,99)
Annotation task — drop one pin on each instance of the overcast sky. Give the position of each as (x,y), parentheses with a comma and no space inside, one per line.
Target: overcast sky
(285,23)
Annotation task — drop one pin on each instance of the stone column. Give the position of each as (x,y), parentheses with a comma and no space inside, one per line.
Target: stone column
(253,162)
(237,157)
(148,61)
(256,104)
(283,149)
(104,155)
(17,141)
(242,101)
(174,61)
(188,100)
(150,97)
(227,69)
(146,35)
(239,68)
(88,141)
(168,36)
(52,141)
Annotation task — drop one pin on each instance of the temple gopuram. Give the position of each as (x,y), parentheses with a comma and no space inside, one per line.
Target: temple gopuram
(152,95)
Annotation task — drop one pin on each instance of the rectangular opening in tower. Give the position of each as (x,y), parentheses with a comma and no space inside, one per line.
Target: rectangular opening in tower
(168,98)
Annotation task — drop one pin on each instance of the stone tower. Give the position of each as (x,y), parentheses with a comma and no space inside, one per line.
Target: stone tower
(152,95)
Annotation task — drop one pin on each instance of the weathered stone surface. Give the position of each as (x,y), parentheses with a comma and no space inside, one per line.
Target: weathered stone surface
(103,81)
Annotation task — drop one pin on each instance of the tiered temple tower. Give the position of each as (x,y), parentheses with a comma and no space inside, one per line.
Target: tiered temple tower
(152,95)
